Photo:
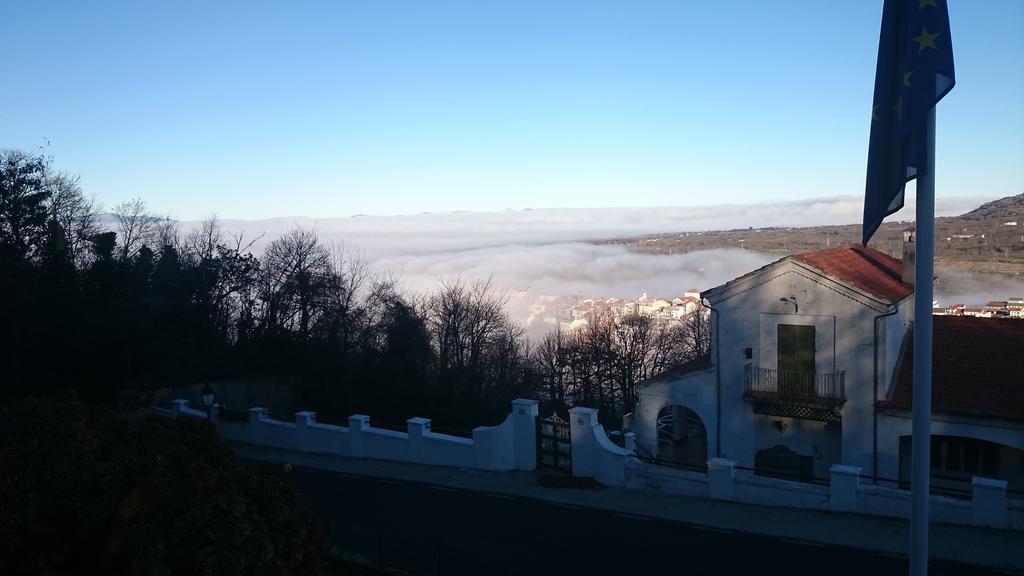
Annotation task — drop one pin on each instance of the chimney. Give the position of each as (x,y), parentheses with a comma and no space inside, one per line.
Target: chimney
(909,257)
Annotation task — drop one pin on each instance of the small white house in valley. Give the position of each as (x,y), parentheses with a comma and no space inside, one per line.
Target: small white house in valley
(810,367)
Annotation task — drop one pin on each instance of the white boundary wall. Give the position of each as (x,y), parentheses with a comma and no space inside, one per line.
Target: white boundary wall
(594,455)
(511,445)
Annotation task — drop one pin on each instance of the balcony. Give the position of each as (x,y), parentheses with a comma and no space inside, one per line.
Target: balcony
(808,395)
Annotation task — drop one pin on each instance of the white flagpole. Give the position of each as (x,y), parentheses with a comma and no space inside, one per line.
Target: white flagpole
(922,394)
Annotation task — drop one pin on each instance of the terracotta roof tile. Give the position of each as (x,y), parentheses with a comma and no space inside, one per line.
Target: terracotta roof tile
(977,369)
(872,271)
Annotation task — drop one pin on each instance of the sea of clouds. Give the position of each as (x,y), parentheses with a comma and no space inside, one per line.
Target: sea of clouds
(549,251)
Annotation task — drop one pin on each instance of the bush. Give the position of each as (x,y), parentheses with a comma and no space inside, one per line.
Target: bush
(93,489)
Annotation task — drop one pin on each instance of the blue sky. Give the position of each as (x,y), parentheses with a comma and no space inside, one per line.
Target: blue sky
(255,109)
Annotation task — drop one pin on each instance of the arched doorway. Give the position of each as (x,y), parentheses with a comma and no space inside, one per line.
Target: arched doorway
(682,437)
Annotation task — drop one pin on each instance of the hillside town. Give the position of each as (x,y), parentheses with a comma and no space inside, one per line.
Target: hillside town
(571,313)
(1009,308)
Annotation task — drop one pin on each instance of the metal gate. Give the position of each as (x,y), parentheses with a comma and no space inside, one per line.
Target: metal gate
(554,446)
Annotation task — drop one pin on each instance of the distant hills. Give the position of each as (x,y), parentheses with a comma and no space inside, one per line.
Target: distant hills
(989,238)
(1004,208)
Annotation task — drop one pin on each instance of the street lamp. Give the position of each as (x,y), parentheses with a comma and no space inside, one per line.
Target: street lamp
(791,300)
(207,395)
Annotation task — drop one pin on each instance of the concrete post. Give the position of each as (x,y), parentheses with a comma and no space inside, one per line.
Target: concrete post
(416,427)
(179,405)
(721,476)
(302,420)
(581,431)
(255,431)
(357,423)
(843,485)
(524,433)
(630,441)
(988,502)
(256,414)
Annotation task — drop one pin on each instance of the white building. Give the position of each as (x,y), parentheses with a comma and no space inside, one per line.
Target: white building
(808,369)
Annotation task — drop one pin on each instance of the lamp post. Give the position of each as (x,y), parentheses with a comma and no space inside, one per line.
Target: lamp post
(208,395)
(791,300)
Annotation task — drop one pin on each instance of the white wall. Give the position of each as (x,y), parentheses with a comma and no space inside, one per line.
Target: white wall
(988,506)
(593,454)
(695,390)
(747,317)
(822,441)
(508,446)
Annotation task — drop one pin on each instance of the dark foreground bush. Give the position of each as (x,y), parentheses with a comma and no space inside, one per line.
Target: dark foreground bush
(98,490)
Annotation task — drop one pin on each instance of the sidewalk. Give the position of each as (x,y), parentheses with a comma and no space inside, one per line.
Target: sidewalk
(999,549)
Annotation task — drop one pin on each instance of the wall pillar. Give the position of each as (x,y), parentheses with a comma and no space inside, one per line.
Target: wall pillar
(524,433)
(721,476)
(630,441)
(255,432)
(256,414)
(988,502)
(416,427)
(302,420)
(581,426)
(357,423)
(844,482)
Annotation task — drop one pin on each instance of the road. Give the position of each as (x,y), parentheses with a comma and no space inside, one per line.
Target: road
(428,529)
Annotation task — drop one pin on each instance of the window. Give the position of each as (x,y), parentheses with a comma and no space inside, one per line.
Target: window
(796,360)
(951,454)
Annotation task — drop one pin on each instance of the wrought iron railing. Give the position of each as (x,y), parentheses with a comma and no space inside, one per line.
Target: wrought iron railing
(799,386)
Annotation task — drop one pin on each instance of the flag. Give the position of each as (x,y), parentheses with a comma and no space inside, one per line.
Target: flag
(914,72)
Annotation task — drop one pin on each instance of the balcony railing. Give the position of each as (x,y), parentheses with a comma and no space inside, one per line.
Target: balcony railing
(828,388)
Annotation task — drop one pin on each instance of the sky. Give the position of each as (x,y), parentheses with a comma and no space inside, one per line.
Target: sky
(256,110)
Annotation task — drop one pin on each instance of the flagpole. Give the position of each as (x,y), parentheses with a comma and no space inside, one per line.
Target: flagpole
(922,392)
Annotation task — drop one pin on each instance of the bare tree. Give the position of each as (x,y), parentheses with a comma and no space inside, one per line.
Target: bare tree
(297,276)
(477,347)
(165,233)
(203,242)
(134,227)
(75,213)
(634,353)
(550,362)
(696,333)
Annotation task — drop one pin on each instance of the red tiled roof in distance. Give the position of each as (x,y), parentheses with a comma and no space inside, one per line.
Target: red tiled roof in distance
(872,271)
(977,369)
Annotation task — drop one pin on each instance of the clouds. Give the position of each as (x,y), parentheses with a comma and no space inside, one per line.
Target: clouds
(575,268)
(956,287)
(455,231)
(548,250)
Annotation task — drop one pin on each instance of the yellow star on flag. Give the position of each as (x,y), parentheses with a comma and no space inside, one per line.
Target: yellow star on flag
(922,4)
(874,112)
(906,78)
(898,108)
(925,40)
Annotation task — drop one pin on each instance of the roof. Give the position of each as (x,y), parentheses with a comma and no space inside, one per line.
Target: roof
(866,269)
(690,367)
(872,271)
(976,369)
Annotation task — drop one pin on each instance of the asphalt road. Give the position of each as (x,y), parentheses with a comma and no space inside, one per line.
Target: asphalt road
(427,529)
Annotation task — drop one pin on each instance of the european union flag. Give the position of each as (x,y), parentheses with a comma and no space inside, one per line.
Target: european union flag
(914,72)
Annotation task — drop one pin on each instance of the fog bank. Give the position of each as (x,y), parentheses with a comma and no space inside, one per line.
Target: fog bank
(547,251)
